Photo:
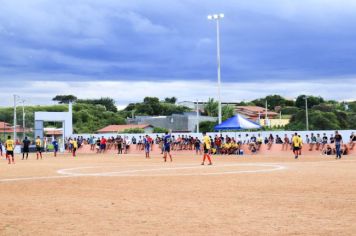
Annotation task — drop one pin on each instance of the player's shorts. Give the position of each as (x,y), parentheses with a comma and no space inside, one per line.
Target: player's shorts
(102,146)
(25,150)
(10,153)
(56,149)
(167,149)
(296,148)
(206,151)
(38,149)
(147,148)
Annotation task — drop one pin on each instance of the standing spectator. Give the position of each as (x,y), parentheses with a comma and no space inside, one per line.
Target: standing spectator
(92,143)
(338,143)
(0,148)
(352,141)
(324,140)
(312,141)
(270,141)
(332,139)
(307,139)
(98,141)
(119,142)
(147,141)
(286,142)
(319,141)
(103,142)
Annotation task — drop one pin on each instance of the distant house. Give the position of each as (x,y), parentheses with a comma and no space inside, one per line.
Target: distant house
(255,112)
(53,132)
(120,128)
(7,128)
(185,122)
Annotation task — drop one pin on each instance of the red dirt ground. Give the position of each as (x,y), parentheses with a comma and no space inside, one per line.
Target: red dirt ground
(130,195)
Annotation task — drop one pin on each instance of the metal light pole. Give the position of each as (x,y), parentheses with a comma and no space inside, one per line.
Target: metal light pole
(23,119)
(217,18)
(16,101)
(306,112)
(197,116)
(15,97)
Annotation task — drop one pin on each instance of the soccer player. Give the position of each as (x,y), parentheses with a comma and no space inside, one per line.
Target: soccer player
(300,145)
(338,143)
(55,146)
(75,146)
(296,143)
(9,144)
(167,147)
(38,147)
(207,146)
(26,148)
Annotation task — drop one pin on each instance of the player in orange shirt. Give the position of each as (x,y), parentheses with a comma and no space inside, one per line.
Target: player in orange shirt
(207,146)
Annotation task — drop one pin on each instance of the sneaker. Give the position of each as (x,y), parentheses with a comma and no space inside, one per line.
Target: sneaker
(210,164)
(202,163)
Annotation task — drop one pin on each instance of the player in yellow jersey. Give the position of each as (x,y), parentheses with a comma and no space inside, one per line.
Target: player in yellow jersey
(74,146)
(38,147)
(296,143)
(10,146)
(207,147)
(301,144)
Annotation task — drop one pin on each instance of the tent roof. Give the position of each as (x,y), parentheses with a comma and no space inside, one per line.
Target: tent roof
(237,122)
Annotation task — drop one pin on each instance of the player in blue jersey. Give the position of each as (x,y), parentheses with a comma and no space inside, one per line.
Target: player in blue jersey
(167,146)
(55,146)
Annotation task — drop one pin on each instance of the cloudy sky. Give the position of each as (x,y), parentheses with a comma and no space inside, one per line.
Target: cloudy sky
(131,49)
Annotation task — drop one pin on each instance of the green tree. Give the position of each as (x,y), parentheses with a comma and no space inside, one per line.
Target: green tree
(64,99)
(107,102)
(318,120)
(160,130)
(272,101)
(207,126)
(312,101)
(172,100)
(290,110)
(133,131)
(227,112)
(211,107)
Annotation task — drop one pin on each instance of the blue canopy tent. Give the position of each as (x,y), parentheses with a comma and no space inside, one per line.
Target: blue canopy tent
(237,122)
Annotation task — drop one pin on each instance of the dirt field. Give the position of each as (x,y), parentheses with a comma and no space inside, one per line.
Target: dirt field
(108,195)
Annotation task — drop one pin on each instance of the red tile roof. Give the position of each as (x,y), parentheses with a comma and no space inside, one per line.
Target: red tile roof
(120,128)
(54,132)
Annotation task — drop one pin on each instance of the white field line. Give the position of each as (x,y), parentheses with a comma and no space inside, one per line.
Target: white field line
(122,173)
(65,173)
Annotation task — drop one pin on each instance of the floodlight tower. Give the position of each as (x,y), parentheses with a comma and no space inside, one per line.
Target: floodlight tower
(217,18)
(17,100)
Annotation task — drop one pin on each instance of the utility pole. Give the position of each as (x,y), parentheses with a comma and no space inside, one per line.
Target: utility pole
(197,116)
(15,96)
(306,113)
